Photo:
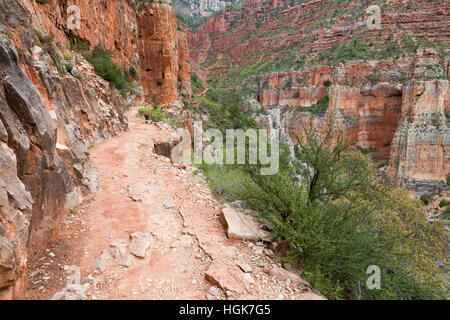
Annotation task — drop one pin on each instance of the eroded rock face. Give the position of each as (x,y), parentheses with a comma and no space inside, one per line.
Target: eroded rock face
(420,157)
(112,23)
(29,163)
(266,37)
(377,106)
(50,118)
(200,8)
(164,55)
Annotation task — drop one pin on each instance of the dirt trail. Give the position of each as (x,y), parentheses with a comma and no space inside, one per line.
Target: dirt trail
(181,215)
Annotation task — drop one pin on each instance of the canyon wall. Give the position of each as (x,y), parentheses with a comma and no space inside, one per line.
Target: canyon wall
(420,157)
(197,9)
(163,50)
(50,116)
(397,112)
(277,34)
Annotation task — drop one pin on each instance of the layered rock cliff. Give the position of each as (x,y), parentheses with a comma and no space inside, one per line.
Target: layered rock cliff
(280,35)
(54,108)
(164,56)
(397,112)
(318,58)
(194,12)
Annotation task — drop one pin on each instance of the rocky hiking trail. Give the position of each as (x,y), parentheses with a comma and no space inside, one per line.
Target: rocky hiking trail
(153,230)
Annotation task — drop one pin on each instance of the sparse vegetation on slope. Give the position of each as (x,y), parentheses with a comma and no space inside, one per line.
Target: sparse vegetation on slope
(100,58)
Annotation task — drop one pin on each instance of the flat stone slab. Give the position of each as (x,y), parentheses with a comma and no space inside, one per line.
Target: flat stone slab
(241,226)
(102,262)
(168,203)
(140,242)
(283,275)
(225,277)
(118,248)
(137,191)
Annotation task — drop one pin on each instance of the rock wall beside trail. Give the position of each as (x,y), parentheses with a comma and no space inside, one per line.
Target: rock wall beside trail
(148,41)
(48,122)
(112,23)
(50,116)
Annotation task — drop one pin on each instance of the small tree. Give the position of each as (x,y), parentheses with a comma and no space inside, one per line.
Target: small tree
(339,220)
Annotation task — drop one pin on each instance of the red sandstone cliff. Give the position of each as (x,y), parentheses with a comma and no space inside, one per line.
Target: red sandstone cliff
(165,69)
(378,106)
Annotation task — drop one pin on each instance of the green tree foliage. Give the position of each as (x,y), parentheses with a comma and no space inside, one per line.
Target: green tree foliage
(100,58)
(339,220)
(224,110)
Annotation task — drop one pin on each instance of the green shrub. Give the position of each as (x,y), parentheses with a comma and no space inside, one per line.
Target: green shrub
(196,84)
(100,58)
(382,164)
(340,220)
(153,112)
(327,83)
(446,214)
(69,67)
(425,198)
(319,108)
(444,203)
(67,57)
(79,45)
(133,72)
(224,110)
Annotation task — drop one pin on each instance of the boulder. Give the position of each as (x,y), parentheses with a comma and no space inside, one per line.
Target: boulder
(225,277)
(140,242)
(241,226)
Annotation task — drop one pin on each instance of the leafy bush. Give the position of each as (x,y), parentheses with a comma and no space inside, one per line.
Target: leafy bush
(319,108)
(444,203)
(153,112)
(100,58)
(382,164)
(67,56)
(133,72)
(224,110)
(425,198)
(79,45)
(69,67)
(340,220)
(196,83)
